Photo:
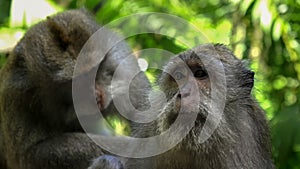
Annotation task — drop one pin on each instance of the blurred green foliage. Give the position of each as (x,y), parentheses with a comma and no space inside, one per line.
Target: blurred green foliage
(266,32)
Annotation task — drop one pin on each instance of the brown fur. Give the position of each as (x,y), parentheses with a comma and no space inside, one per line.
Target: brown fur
(38,125)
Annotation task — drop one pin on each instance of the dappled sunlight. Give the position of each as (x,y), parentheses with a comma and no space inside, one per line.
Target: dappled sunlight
(264,33)
(26,13)
(9,38)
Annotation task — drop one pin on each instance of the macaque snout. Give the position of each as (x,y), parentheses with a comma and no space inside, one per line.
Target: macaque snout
(185,91)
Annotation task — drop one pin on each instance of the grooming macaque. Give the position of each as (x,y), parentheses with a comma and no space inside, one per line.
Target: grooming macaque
(241,139)
(39,128)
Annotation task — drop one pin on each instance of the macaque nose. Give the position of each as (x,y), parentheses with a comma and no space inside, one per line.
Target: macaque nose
(184,92)
(183,95)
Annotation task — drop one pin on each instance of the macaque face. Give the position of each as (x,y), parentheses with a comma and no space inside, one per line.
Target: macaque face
(187,87)
(190,81)
(182,82)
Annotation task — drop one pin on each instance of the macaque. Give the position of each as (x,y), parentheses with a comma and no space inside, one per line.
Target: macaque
(240,140)
(39,128)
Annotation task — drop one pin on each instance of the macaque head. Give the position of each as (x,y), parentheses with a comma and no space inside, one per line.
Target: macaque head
(48,54)
(212,73)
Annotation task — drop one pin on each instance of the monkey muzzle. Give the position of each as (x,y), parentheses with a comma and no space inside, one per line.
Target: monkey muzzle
(188,106)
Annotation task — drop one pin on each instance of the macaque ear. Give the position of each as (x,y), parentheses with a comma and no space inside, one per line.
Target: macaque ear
(247,79)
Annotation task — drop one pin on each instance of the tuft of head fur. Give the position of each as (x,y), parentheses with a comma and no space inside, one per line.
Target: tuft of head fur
(56,43)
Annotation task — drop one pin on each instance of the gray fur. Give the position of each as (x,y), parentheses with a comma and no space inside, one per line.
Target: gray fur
(241,140)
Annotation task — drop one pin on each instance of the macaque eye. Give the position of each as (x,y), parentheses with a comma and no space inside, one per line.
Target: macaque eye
(200,74)
(177,75)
